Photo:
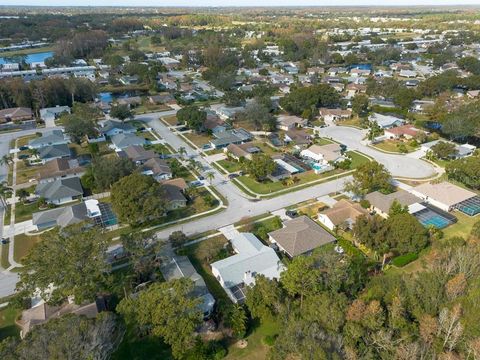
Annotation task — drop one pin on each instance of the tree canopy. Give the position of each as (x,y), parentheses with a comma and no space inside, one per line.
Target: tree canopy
(260,166)
(192,116)
(371,176)
(301,98)
(73,260)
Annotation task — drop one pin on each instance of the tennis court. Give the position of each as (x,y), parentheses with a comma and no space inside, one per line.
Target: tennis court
(470,206)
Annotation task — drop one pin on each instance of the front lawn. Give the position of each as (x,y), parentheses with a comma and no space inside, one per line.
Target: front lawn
(198,139)
(26,172)
(230,165)
(23,244)
(23,212)
(395,146)
(171,120)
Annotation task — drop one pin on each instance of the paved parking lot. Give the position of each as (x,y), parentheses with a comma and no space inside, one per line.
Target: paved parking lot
(398,165)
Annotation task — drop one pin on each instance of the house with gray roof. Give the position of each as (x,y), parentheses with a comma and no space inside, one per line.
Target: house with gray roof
(49,138)
(178,267)
(113,127)
(251,258)
(300,236)
(52,152)
(386,121)
(60,191)
(233,136)
(157,168)
(53,113)
(124,140)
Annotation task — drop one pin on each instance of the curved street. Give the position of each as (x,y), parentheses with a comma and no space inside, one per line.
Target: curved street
(398,165)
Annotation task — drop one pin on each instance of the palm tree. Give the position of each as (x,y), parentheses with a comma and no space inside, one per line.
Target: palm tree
(4,189)
(210,176)
(22,194)
(290,181)
(6,160)
(182,151)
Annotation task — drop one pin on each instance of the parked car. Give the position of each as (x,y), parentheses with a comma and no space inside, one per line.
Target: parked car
(5,241)
(291,213)
(196,183)
(21,148)
(232,176)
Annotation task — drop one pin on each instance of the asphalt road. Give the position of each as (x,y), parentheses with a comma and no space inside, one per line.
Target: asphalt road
(398,165)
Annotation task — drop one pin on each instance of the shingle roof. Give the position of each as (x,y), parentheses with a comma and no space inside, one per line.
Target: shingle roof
(343,211)
(54,151)
(301,235)
(60,189)
(123,140)
(384,202)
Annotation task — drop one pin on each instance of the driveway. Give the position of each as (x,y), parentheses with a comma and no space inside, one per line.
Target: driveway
(398,165)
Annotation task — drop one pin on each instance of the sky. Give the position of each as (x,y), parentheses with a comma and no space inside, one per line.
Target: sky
(170,3)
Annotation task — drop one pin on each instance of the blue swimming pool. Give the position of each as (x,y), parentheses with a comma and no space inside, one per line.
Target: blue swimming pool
(431,216)
(30,58)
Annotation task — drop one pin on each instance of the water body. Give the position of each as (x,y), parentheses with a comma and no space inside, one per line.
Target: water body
(109,97)
(30,58)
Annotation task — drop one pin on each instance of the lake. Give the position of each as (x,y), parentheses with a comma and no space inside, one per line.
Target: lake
(30,58)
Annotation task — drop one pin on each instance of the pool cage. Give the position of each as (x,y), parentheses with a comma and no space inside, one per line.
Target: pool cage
(470,206)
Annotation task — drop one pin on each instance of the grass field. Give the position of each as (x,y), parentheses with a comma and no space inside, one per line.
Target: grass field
(462,227)
(4,256)
(23,244)
(230,165)
(198,139)
(393,146)
(7,322)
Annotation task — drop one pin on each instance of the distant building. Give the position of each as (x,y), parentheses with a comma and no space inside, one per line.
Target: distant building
(15,114)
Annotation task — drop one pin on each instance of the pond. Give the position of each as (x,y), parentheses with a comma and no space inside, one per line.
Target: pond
(30,58)
(108,97)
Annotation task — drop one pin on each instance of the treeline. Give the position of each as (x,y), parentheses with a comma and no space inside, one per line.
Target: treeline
(48,92)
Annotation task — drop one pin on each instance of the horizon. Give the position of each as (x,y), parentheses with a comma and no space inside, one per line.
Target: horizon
(244,4)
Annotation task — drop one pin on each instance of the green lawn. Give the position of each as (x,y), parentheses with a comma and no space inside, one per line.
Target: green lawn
(322,141)
(357,159)
(26,172)
(256,349)
(7,322)
(23,244)
(393,146)
(4,256)
(23,212)
(462,227)
(198,139)
(230,165)
(134,348)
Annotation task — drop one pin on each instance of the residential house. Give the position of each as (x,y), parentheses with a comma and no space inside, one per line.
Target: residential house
(405,131)
(15,114)
(238,271)
(157,168)
(381,203)
(323,153)
(41,313)
(131,101)
(60,191)
(213,124)
(52,113)
(49,138)
(60,168)
(162,98)
(386,121)
(178,267)
(408,73)
(110,128)
(461,151)
(124,140)
(175,193)
(343,214)
(445,196)
(233,136)
(300,138)
(331,116)
(290,122)
(52,152)
(89,210)
(138,154)
(300,236)
(129,80)
(240,151)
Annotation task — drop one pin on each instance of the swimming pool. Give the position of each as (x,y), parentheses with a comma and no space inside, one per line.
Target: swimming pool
(30,58)
(437,218)
(471,206)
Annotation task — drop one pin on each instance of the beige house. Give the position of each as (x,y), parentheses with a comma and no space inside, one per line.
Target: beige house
(343,212)
(444,195)
(381,203)
(300,236)
(289,122)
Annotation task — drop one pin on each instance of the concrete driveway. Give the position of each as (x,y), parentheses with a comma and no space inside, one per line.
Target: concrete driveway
(398,165)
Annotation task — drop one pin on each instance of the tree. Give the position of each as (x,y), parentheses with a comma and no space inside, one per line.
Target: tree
(260,166)
(360,104)
(210,176)
(121,112)
(236,319)
(397,208)
(177,238)
(192,116)
(301,277)
(138,198)
(71,337)
(72,259)
(165,310)
(107,170)
(301,98)
(23,194)
(465,170)
(264,299)
(142,251)
(371,176)
(404,234)
(443,150)
(259,116)
(78,126)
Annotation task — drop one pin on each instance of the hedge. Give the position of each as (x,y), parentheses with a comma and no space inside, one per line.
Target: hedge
(403,260)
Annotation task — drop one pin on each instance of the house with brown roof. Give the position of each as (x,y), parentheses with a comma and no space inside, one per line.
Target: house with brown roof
(15,114)
(299,137)
(405,131)
(343,213)
(245,150)
(323,153)
(333,115)
(42,313)
(381,203)
(60,168)
(300,236)
(289,122)
(138,154)
(175,193)
(157,168)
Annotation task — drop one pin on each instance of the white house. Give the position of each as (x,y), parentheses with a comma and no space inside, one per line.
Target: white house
(386,121)
(252,258)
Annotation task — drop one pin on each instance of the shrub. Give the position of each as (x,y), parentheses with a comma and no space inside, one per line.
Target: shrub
(269,340)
